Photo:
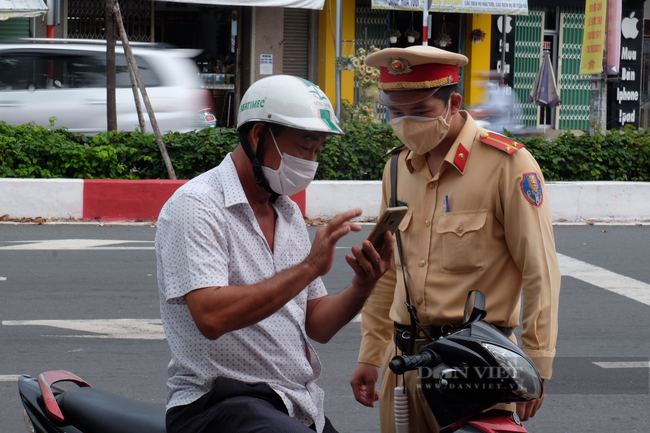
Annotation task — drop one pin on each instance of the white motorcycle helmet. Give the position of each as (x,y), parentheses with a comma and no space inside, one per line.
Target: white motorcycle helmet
(283,100)
(289,101)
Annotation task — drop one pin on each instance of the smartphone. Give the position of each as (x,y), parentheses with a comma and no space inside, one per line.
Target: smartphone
(388,222)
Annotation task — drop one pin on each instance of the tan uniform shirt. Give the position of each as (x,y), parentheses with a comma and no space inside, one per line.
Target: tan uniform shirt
(492,239)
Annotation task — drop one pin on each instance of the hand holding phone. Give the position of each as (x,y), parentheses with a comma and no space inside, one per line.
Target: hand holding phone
(388,222)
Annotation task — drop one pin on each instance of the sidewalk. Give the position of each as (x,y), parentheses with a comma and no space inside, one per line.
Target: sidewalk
(126,200)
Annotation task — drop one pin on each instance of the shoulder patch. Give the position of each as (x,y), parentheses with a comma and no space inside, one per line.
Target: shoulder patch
(532,189)
(500,142)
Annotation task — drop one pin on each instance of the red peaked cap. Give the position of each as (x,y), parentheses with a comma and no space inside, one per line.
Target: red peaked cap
(420,70)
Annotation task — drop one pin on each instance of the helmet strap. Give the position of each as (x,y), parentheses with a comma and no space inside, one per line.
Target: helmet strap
(257,160)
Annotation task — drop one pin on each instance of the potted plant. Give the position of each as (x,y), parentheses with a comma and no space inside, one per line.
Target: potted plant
(411,33)
(342,63)
(367,77)
(392,35)
(442,40)
(477,36)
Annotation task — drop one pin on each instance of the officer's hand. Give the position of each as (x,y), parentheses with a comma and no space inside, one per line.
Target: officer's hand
(527,410)
(363,384)
(368,265)
(321,256)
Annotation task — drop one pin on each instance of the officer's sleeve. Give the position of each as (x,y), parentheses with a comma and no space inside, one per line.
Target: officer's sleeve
(376,326)
(529,236)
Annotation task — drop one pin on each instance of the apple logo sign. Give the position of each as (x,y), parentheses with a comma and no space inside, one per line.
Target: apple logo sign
(628,27)
(508,24)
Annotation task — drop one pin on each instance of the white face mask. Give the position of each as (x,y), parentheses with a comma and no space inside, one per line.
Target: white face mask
(293,175)
(421,134)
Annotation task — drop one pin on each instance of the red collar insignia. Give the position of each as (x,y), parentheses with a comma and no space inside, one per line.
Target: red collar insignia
(461,157)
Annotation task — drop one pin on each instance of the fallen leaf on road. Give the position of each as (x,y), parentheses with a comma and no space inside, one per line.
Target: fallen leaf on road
(104,225)
(639,224)
(561,220)
(4,217)
(604,231)
(584,243)
(590,223)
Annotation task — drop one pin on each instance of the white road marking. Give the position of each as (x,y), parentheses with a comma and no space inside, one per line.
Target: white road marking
(76,244)
(599,277)
(9,377)
(129,329)
(631,364)
(608,280)
(151,329)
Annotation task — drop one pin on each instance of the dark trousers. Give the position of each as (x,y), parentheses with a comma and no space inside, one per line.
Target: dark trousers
(237,407)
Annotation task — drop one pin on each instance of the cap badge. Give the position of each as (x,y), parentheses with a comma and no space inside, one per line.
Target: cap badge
(398,66)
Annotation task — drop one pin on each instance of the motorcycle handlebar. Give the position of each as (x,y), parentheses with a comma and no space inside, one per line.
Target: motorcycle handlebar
(402,364)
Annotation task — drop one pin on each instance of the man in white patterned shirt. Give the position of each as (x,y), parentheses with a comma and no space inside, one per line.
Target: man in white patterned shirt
(240,287)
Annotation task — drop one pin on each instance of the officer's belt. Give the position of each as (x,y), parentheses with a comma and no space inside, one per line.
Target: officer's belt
(403,335)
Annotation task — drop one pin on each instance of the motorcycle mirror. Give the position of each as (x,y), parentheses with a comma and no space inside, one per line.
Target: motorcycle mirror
(474,307)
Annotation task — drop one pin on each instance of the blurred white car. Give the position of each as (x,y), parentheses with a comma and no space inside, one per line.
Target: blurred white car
(67,81)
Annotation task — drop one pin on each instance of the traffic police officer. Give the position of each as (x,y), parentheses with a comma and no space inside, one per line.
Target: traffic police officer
(478,219)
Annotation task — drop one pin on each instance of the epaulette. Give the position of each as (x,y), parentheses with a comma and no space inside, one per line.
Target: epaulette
(500,142)
(397,149)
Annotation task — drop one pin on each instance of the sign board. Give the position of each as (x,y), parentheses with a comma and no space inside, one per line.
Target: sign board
(498,7)
(624,96)
(613,36)
(266,64)
(400,5)
(495,48)
(298,4)
(594,37)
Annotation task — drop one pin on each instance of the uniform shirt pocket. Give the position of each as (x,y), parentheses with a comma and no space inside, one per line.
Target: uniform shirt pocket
(463,241)
(404,236)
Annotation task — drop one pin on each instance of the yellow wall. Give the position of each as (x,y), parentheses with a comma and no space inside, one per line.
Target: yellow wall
(327,52)
(479,58)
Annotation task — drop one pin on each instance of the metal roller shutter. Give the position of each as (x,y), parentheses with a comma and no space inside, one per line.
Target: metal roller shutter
(528,52)
(576,95)
(296,43)
(14,28)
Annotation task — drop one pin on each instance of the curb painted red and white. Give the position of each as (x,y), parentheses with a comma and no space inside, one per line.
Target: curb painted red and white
(131,200)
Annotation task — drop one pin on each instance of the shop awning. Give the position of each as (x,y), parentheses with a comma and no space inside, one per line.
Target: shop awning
(492,7)
(21,8)
(300,4)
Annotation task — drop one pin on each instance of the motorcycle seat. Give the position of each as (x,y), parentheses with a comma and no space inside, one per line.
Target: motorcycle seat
(93,410)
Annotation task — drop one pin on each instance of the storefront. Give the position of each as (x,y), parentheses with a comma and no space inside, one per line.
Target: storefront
(644,109)
(455,28)
(15,21)
(239,44)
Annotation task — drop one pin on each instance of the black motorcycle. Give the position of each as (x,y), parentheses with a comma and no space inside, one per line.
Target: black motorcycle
(463,373)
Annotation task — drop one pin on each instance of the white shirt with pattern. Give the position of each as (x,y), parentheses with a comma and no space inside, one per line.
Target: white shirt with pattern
(208,236)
